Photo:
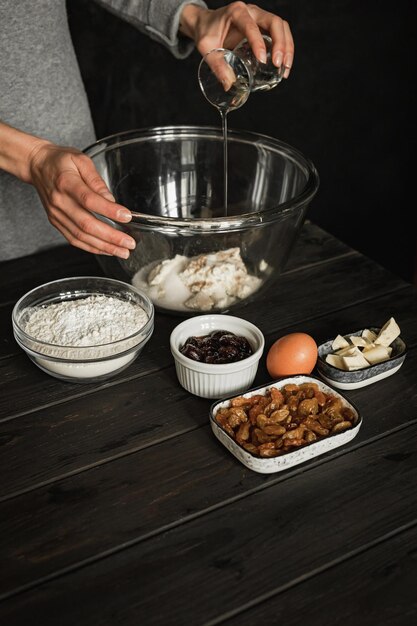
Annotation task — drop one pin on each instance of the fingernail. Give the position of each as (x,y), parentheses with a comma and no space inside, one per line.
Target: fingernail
(262,56)
(124,254)
(129,243)
(124,215)
(287,65)
(226,85)
(108,196)
(228,78)
(278,59)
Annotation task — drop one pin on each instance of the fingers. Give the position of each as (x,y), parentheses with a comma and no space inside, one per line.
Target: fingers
(282,46)
(71,209)
(90,186)
(87,193)
(91,177)
(244,18)
(221,72)
(280,33)
(88,199)
(227,26)
(73,193)
(289,47)
(83,230)
(79,244)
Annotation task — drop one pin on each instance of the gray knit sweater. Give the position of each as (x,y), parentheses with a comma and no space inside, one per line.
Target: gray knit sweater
(41,92)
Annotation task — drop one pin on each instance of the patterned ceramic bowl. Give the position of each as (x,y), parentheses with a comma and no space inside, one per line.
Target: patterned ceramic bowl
(360,378)
(297,456)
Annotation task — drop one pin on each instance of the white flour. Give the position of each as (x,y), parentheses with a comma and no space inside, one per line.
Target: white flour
(91,321)
(85,329)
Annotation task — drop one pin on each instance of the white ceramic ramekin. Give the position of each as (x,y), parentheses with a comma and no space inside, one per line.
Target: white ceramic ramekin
(210,380)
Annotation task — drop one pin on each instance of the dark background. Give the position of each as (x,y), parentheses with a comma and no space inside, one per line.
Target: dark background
(349,105)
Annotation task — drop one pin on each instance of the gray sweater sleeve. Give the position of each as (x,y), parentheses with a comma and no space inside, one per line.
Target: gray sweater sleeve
(159,19)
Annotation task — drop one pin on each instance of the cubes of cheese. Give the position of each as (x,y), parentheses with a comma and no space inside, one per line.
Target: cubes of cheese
(355,362)
(359,341)
(357,352)
(335,360)
(369,335)
(388,333)
(378,354)
(339,342)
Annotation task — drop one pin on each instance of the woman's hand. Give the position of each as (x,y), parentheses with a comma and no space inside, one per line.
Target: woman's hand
(71,190)
(227,26)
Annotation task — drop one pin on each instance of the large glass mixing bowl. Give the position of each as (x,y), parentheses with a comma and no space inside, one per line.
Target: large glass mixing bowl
(192,254)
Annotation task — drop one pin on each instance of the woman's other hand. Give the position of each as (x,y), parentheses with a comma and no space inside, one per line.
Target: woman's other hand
(71,191)
(227,26)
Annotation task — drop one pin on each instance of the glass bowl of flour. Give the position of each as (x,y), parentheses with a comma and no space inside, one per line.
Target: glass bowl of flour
(214,221)
(83,329)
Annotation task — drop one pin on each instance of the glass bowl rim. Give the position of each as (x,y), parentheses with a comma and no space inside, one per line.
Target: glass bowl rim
(145,330)
(161,133)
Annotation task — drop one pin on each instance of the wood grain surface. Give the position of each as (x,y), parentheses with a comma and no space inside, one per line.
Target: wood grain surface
(118,506)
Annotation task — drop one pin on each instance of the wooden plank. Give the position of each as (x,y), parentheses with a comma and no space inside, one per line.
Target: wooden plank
(89,431)
(21,275)
(377,586)
(243,550)
(299,297)
(315,245)
(56,430)
(143,492)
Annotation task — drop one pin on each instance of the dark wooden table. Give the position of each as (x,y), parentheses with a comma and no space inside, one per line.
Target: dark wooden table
(119,506)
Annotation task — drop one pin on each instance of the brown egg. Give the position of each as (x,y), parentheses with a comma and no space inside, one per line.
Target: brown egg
(295,353)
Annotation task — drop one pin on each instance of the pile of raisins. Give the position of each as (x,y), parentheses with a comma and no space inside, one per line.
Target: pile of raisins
(220,346)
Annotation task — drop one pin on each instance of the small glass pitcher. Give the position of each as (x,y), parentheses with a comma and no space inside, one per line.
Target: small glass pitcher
(228,77)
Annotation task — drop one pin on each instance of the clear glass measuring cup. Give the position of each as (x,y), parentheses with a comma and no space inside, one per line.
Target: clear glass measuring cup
(227,77)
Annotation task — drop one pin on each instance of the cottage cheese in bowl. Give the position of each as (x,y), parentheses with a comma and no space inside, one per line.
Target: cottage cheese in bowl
(200,283)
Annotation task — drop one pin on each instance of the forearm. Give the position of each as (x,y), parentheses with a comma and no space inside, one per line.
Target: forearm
(16,151)
(159,19)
